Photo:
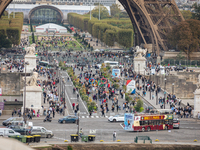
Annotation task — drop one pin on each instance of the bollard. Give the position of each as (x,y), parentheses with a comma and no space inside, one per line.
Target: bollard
(156,136)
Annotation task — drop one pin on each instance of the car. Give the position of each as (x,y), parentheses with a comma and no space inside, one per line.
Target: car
(68,119)
(38,130)
(7,132)
(9,120)
(21,130)
(119,117)
(176,123)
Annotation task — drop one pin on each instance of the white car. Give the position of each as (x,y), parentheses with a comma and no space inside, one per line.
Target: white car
(119,117)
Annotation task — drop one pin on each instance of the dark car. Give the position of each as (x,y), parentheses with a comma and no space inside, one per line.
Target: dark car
(10,120)
(68,119)
(21,130)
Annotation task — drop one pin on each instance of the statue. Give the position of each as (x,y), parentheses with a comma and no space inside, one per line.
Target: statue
(30,50)
(32,80)
(140,51)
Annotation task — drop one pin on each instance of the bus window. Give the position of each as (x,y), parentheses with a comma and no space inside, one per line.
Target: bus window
(170,122)
(161,122)
(150,122)
(145,123)
(141,123)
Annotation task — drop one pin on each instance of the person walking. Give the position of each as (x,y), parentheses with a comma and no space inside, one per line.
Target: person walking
(114,136)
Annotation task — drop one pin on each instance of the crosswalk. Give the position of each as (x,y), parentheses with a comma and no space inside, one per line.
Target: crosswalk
(93,117)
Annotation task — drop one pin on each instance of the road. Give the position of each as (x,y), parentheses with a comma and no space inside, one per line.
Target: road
(189,130)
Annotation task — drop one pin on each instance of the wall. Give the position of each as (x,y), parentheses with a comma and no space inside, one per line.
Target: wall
(10,83)
(182,88)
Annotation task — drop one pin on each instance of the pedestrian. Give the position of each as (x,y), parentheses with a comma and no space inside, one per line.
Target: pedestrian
(0,112)
(73,105)
(75,112)
(114,136)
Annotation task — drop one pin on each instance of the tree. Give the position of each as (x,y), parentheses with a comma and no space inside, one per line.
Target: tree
(103,12)
(114,9)
(139,105)
(187,14)
(196,14)
(4,42)
(185,36)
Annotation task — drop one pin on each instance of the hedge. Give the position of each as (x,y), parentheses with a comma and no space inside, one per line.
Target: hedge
(117,29)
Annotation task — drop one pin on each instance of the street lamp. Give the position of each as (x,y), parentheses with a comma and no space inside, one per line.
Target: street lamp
(172,88)
(24,114)
(157,91)
(63,97)
(138,68)
(165,92)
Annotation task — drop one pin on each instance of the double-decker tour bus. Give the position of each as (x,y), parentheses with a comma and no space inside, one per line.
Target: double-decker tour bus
(147,122)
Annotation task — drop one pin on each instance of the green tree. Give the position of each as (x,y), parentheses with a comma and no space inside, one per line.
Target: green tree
(114,9)
(139,105)
(196,14)
(186,35)
(4,42)
(103,12)
(187,14)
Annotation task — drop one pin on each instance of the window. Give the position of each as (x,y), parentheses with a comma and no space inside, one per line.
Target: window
(150,122)
(43,129)
(10,131)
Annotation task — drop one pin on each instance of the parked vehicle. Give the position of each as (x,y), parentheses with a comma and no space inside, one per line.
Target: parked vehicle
(10,120)
(68,119)
(176,123)
(119,117)
(38,130)
(7,132)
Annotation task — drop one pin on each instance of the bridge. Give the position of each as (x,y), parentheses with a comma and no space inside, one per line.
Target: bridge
(152,20)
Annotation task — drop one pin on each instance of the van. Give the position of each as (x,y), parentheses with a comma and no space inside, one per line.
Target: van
(8,132)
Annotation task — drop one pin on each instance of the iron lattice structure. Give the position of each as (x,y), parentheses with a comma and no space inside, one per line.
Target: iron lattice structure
(152,20)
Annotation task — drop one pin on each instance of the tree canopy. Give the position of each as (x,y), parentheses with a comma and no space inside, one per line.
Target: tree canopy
(114,10)
(103,12)
(186,36)
(196,14)
(187,14)
(4,42)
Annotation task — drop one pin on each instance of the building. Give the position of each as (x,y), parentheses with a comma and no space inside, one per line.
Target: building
(67,2)
(41,14)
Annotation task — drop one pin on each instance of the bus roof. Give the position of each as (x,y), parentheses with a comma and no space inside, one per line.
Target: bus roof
(110,61)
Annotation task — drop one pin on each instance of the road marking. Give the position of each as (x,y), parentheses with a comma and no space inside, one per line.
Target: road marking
(97,116)
(83,116)
(87,116)
(121,125)
(83,113)
(59,138)
(68,85)
(73,98)
(92,116)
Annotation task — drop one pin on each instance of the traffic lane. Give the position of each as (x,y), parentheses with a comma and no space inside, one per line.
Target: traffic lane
(104,130)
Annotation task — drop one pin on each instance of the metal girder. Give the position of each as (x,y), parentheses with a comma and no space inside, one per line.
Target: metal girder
(152,20)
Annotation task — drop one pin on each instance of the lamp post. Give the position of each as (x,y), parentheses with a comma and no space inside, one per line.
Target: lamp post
(138,68)
(157,91)
(172,88)
(164,92)
(24,114)
(150,85)
(64,97)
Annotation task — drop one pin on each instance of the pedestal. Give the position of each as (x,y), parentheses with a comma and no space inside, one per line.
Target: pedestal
(31,59)
(33,98)
(196,102)
(140,65)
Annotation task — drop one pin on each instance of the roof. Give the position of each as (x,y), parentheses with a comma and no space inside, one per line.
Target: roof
(61,7)
(51,26)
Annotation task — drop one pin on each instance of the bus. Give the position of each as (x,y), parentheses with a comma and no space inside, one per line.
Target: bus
(147,122)
(43,63)
(112,63)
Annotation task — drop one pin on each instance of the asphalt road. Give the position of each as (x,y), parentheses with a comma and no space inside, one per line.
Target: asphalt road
(189,130)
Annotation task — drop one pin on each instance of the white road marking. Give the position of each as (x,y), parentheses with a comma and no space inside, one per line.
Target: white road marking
(121,126)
